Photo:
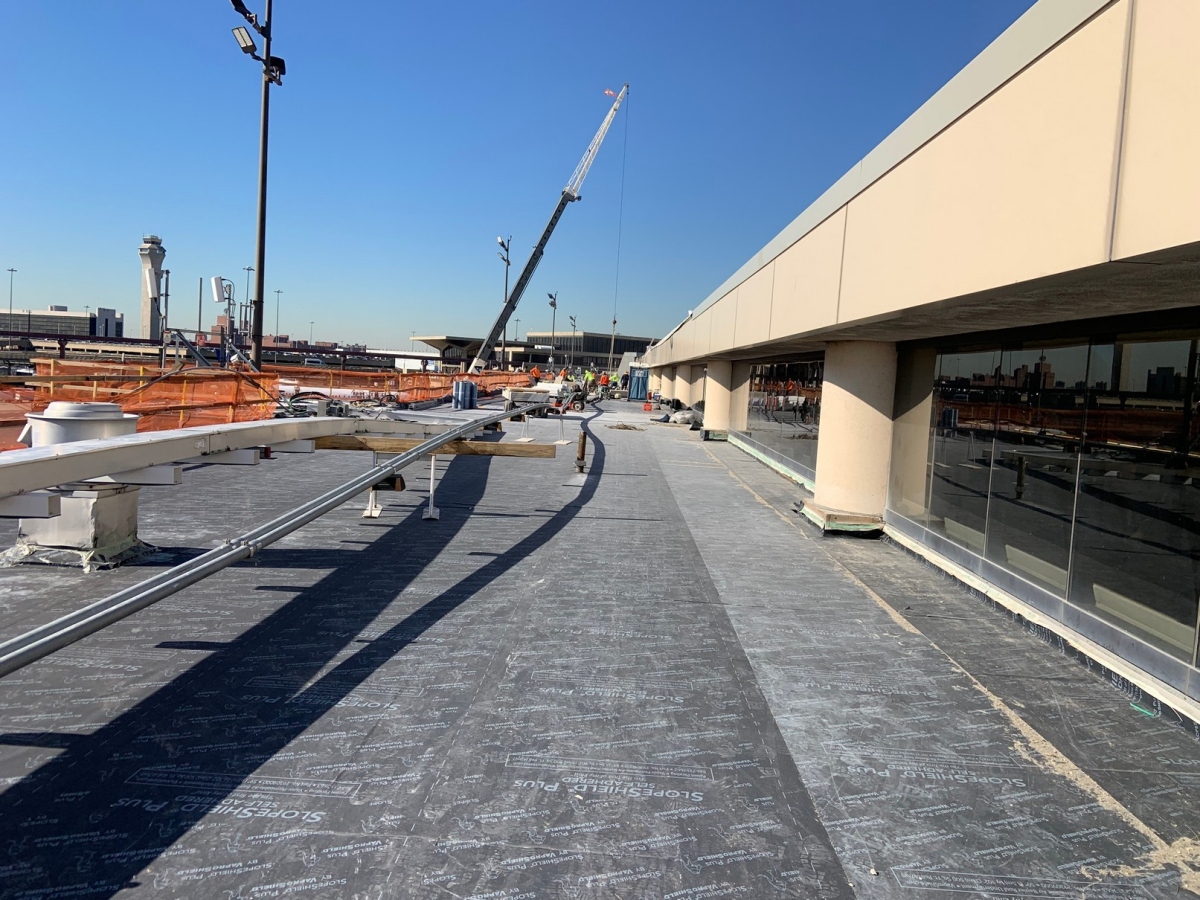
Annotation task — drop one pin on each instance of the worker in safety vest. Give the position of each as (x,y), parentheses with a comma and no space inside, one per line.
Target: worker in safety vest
(603,379)
(536,374)
(564,374)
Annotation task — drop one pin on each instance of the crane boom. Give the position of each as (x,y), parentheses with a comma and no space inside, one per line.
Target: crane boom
(569,193)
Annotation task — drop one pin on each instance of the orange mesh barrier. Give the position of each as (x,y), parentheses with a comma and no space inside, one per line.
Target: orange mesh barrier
(406,387)
(1133,426)
(179,398)
(163,398)
(14,403)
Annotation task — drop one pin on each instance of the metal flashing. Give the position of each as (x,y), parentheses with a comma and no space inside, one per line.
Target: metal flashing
(1165,678)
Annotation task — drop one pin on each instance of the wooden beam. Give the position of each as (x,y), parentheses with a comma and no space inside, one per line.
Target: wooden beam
(66,379)
(454,448)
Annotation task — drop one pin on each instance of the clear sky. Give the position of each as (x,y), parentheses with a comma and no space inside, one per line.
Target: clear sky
(407,136)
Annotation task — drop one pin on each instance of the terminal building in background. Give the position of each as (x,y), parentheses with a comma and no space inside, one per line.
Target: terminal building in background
(580,349)
(60,320)
(983,338)
(588,349)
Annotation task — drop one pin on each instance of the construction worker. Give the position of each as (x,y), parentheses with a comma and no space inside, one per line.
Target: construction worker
(565,375)
(535,373)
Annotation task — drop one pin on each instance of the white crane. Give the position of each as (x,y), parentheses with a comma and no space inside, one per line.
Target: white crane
(569,193)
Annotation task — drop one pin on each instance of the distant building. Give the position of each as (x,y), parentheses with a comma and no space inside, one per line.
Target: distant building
(584,348)
(58,319)
(588,348)
(1164,381)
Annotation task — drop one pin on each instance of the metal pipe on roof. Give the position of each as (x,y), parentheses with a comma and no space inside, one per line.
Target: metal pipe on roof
(46,639)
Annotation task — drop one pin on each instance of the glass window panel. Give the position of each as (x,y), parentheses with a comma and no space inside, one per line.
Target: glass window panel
(785,409)
(964,405)
(912,435)
(1042,395)
(1136,558)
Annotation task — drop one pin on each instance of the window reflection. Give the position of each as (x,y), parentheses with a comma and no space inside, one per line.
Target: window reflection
(1077,468)
(785,409)
(1137,522)
(964,414)
(1039,419)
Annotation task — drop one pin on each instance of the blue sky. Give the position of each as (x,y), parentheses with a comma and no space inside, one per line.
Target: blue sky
(407,136)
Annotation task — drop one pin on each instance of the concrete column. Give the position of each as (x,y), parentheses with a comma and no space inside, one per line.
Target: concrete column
(689,384)
(656,380)
(739,396)
(911,431)
(697,384)
(718,382)
(668,382)
(683,384)
(855,447)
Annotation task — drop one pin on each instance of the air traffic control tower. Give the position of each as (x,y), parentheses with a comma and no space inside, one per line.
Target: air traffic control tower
(152,254)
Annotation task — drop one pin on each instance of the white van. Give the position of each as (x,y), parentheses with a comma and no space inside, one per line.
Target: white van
(314,362)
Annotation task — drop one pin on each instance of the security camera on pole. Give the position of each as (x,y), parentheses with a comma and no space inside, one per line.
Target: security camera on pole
(273,72)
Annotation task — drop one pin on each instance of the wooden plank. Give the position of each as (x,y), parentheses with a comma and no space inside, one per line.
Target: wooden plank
(454,448)
(68,379)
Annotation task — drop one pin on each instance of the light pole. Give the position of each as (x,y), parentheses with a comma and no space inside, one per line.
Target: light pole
(554,306)
(517,330)
(277,293)
(9,327)
(412,341)
(504,338)
(310,332)
(166,318)
(273,70)
(571,364)
(247,269)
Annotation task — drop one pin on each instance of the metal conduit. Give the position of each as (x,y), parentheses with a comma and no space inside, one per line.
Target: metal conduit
(44,640)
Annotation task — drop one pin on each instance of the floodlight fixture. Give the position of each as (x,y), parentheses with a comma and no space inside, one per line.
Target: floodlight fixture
(242,35)
(273,72)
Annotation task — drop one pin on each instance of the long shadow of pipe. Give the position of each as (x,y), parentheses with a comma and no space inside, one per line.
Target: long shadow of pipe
(94,842)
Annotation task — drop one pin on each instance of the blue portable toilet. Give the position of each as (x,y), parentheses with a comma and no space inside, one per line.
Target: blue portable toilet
(639,383)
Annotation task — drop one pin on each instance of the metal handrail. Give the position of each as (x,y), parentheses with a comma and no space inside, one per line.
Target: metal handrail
(46,639)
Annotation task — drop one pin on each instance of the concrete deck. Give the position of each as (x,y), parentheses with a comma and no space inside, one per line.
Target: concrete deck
(654,681)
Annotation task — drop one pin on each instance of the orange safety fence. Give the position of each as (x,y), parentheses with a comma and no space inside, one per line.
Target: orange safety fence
(163,398)
(182,397)
(404,387)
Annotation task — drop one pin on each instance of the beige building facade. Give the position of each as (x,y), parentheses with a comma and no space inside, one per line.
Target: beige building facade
(983,338)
